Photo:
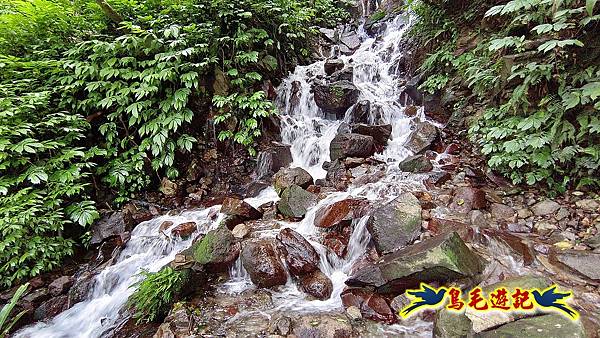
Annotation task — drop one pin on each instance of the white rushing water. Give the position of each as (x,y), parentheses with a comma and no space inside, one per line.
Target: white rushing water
(309,133)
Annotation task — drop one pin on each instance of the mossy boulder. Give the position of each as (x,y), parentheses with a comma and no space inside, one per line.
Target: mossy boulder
(336,97)
(443,259)
(547,326)
(217,250)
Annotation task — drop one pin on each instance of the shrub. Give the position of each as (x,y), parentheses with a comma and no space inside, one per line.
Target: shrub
(155,294)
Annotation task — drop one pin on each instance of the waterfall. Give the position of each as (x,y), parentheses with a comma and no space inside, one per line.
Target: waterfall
(309,132)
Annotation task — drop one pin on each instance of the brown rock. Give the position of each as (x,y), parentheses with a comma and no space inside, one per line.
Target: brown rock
(466,198)
(372,306)
(237,207)
(184,230)
(317,284)
(260,259)
(300,256)
(60,285)
(334,213)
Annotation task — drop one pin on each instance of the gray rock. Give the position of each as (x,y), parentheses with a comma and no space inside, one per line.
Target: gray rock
(360,112)
(442,258)
(586,263)
(545,207)
(396,224)
(450,324)
(351,145)
(350,39)
(295,201)
(588,205)
(287,177)
(502,211)
(113,224)
(60,285)
(421,138)
(381,133)
(333,65)
(335,98)
(416,164)
(269,161)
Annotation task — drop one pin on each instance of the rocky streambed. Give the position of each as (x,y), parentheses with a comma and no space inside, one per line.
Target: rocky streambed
(368,194)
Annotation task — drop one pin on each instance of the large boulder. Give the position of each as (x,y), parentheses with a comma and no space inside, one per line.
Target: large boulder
(339,211)
(262,263)
(335,98)
(381,133)
(442,259)
(269,161)
(317,284)
(287,177)
(298,253)
(351,145)
(422,136)
(395,224)
(295,201)
(111,224)
(217,250)
(360,112)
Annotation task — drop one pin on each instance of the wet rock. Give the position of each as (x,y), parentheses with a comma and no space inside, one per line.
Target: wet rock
(184,230)
(84,282)
(360,112)
(333,65)
(178,324)
(372,306)
(237,207)
(380,133)
(50,308)
(589,205)
(438,178)
(395,224)
(217,250)
(281,326)
(60,285)
(291,176)
(351,145)
(416,164)
(442,258)
(585,263)
(337,175)
(299,254)
(337,241)
(545,207)
(350,39)
(546,326)
(335,98)
(334,213)
(421,137)
(467,198)
(36,296)
(269,161)
(112,224)
(345,74)
(295,201)
(317,284)
(482,321)
(261,261)
(240,231)
(164,226)
(502,211)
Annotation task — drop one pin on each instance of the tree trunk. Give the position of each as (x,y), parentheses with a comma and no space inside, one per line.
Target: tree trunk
(109,11)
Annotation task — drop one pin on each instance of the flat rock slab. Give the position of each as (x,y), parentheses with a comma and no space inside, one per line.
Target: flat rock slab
(586,263)
(547,326)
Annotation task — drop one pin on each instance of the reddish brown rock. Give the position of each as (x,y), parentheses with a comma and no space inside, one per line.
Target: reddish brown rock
(372,306)
(237,207)
(317,284)
(300,256)
(165,225)
(262,263)
(334,213)
(468,198)
(184,230)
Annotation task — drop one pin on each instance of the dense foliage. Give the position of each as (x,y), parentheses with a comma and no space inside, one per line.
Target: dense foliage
(155,294)
(534,66)
(111,93)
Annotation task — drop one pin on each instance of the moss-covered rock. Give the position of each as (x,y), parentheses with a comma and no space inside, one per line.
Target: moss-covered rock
(217,250)
(547,326)
(295,201)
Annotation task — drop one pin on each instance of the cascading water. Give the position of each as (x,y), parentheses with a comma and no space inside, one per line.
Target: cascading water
(309,133)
